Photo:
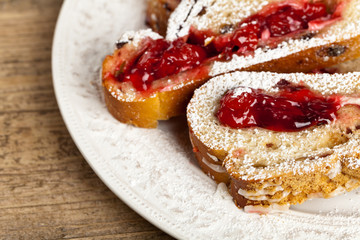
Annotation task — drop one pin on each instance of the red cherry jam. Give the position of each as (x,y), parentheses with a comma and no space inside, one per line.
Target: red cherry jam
(161,58)
(267,28)
(273,24)
(292,108)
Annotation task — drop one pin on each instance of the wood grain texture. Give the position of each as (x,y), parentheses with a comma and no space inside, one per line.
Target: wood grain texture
(47,190)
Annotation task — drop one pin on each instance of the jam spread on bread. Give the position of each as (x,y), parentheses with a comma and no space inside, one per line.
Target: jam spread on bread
(162,58)
(292,108)
(276,22)
(273,24)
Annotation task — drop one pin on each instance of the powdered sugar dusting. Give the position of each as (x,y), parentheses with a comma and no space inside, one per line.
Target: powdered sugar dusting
(354,163)
(225,12)
(240,90)
(177,18)
(135,37)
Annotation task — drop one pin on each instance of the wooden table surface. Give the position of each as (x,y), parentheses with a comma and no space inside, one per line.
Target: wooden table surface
(47,189)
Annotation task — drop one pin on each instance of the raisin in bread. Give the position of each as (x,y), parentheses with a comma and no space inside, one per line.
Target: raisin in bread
(149,78)
(158,13)
(265,169)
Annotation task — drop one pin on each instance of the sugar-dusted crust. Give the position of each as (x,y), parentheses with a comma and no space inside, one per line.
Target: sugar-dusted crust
(215,14)
(266,167)
(334,44)
(158,13)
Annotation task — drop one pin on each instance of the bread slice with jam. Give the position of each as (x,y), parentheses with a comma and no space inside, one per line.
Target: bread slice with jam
(139,55)
(278,139)
(278,36)
(152,78)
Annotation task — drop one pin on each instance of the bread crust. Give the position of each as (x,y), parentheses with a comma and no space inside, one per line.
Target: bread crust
(158,13)
(146,112)
(312,58)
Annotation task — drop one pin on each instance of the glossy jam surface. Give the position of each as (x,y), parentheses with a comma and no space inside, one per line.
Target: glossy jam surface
(292,108)
(273,24)
(267,28)
(161,58)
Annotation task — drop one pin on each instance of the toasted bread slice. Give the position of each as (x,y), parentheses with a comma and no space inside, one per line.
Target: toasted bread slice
(158,13)
(166,98)
(270,168)
(168,95)
(338,42)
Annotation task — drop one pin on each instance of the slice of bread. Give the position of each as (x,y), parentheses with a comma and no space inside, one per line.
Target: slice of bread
(267,168)
(158,13)
(169,95)
(333,44)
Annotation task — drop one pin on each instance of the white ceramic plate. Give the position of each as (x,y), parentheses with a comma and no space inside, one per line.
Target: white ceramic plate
(154,171)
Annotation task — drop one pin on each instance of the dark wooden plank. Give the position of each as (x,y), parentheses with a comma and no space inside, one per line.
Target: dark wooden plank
(47,190)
